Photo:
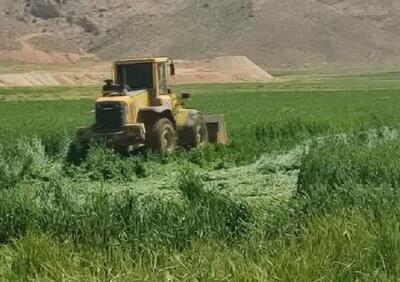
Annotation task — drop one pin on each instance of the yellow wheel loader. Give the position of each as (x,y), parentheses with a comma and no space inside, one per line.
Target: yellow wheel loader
(138,109)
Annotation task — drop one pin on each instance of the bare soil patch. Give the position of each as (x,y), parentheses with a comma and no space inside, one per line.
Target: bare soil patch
(220,69)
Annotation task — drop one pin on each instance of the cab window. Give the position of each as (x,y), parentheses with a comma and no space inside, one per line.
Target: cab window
(137,76)
(162,78)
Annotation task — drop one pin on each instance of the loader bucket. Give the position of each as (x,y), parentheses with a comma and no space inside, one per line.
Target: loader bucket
(216,129)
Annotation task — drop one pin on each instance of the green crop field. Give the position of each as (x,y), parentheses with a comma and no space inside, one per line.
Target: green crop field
(307,189)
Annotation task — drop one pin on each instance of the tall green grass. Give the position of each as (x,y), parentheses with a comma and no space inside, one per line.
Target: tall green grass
(97,222)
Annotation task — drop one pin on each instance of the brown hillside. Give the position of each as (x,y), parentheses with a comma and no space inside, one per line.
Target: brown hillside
(271,33)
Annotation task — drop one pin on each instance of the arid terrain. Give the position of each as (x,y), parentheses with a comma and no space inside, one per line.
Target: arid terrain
(274,34)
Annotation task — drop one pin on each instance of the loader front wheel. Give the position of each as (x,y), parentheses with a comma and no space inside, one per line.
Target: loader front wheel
(77,152)
(196,135)
(201,133)
(162,136)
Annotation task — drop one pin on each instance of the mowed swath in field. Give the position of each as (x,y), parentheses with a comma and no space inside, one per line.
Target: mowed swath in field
(261,118)
(258,208)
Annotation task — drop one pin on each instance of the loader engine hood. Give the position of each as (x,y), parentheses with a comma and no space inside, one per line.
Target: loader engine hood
(122,97)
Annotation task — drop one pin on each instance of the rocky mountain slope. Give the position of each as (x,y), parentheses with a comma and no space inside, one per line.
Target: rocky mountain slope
(274,33)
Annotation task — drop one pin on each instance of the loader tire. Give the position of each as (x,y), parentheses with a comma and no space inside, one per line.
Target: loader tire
(77,152)
(162,136)
(122,150)
(197,135)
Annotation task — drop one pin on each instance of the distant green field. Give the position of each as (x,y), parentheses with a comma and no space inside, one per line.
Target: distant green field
(306,190)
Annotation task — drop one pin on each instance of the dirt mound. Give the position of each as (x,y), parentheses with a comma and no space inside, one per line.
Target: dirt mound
(220,69)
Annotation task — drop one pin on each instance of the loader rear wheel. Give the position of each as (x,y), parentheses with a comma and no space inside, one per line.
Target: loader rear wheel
(162,136)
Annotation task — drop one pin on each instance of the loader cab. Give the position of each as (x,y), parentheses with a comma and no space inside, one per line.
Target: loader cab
(150,74)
